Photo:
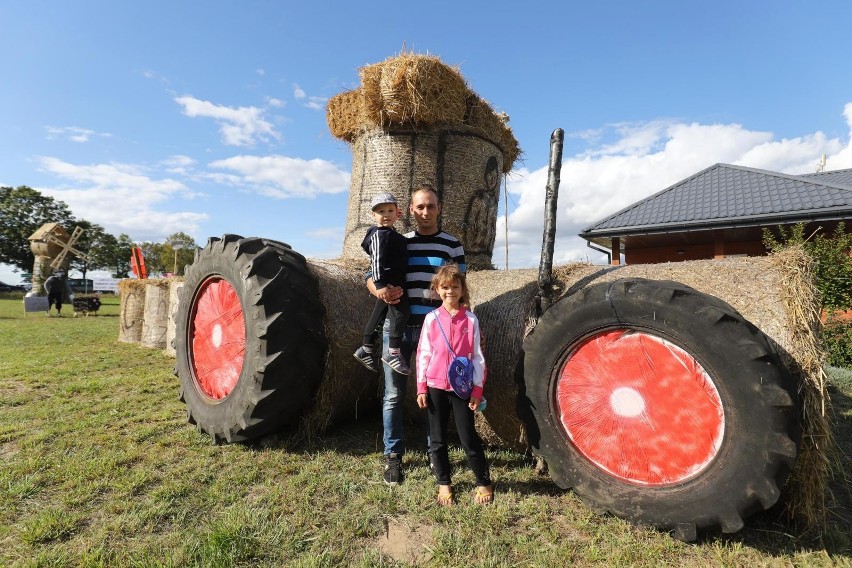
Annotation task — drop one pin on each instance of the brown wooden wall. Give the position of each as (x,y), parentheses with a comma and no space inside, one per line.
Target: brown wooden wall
(678,253)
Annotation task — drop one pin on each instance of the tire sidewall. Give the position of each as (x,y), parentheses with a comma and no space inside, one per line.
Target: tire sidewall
(748,420)
(207,410)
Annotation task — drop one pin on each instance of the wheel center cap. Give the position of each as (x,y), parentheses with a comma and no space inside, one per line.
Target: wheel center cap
(627,402)
(216,335)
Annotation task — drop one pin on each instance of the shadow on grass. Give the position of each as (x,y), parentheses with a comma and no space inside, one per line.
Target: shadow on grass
(768,532)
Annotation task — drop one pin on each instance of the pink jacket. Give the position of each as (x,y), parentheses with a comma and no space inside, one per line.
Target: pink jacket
(433,355)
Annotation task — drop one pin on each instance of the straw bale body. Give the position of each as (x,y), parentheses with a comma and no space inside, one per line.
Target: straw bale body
(131,310)
(156,315)
(753,286)
(174,304)
(41,270)
(347,390)
(464,169)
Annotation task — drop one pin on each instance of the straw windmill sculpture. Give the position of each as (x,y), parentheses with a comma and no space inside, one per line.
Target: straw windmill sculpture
(264,336)
(54,249)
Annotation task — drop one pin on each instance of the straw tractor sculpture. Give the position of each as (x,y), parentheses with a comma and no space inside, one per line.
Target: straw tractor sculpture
(640,388)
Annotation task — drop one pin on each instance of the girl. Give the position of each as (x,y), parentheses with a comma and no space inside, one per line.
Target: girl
(452,329)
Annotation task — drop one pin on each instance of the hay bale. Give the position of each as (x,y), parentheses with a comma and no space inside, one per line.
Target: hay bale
(348,390)
(371,77)
(511,148)
(131,310)
(416,92)
(502,300)
(480,115)
(468,184)
(155,316)
(421,90)
(412,89)
(808,485)
(175,285)
(347,116)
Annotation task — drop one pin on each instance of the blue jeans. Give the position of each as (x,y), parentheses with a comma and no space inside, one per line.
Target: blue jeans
(393,403)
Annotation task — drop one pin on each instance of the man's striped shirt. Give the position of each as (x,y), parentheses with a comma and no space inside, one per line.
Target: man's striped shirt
(426,254)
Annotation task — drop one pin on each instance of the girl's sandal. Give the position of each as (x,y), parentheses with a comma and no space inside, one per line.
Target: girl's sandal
(445,496)
(484,495)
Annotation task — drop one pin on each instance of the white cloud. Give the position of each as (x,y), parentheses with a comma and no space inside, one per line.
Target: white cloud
(843,158)
(312,102)
(273,102)
(282,177)
(643,159)
(327,233)
(121,198)
(238,126)
(150,74)
(316,103)
(179,164)
(74,133)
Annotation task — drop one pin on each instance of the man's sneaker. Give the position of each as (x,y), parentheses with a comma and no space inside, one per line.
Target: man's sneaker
(398,364)
(393,469)
(365,358)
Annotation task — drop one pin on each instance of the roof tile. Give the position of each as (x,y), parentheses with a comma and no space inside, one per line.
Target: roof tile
(723,194)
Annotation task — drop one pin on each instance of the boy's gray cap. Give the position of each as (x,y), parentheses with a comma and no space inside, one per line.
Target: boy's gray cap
(381,199)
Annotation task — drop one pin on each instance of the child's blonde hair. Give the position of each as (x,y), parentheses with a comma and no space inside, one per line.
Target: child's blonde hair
(449,273)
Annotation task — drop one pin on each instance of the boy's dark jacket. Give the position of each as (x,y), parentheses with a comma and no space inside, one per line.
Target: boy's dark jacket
(388,252)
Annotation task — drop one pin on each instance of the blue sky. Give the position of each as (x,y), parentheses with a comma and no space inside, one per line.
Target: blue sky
(209,117)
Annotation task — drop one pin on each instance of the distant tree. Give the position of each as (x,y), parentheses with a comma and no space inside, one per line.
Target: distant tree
(152,251)
(22,211)
(160,257)
(180,248)
(115,253)
(89,243)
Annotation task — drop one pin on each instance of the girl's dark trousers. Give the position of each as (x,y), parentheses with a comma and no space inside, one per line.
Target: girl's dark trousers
(440,403)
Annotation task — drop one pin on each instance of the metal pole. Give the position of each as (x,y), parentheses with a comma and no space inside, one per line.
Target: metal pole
(506,224)
(554,168)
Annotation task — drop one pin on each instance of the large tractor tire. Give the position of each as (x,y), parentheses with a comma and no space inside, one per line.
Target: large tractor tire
(660,405)
(249,339)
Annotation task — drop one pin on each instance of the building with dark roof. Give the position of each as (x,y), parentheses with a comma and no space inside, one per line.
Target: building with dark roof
(721,211)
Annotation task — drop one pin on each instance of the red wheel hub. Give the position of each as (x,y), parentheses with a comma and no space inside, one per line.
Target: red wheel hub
(218,337)
(640,408)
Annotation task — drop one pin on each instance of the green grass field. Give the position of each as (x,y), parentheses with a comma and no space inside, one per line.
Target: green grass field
(98,467)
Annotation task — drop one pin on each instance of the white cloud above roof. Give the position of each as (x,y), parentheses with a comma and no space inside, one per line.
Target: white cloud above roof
(643,159)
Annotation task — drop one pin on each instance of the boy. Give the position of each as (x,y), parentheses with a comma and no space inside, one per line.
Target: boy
(388,252)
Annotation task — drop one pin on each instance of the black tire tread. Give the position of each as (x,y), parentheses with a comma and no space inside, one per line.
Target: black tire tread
(285,343)
(770,392)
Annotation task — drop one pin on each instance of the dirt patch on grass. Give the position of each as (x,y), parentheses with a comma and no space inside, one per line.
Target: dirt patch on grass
(406,542)
(7,450)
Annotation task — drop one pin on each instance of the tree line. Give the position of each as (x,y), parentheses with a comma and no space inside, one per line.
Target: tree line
(23,210)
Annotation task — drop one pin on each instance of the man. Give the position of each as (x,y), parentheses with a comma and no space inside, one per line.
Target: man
(57,289)
(428,250)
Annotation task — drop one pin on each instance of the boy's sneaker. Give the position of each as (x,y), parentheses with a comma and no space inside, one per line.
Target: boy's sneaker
(398,364)
(365,358)
(393,469)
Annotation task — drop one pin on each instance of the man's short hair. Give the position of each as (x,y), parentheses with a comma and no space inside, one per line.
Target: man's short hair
(426,187)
